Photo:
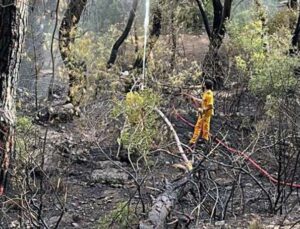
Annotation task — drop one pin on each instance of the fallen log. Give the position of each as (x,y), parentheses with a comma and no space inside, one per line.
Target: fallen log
(163,205)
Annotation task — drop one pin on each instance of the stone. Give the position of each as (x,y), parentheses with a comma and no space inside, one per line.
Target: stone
(220,223)
(108,164)
(76,225)
(68,106)
(109,176)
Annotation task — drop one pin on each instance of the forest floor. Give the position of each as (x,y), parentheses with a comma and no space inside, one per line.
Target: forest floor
(98,183)
(82,165)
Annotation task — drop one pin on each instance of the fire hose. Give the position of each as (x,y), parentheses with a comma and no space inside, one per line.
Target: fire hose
(260,169)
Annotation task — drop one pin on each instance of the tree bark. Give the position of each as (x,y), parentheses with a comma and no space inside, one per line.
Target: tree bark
(173,35)
(295,38)
(204,17)
(13,14)
(163,205)
(218,8)
(221,14)
(212,67)
(122,38)
(67,32)
(293,4)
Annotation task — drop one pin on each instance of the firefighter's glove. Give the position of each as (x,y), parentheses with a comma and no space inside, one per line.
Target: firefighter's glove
(200,111)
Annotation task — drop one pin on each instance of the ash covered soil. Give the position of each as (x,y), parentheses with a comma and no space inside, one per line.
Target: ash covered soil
(88,180)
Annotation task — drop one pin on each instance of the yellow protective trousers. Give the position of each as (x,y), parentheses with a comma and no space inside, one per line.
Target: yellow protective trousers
(201,128)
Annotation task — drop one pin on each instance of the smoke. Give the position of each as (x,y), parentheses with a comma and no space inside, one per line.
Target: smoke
(241,10)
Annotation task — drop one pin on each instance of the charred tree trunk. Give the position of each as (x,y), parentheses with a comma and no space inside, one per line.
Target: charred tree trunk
(212,66)
(76,68)
(13,16)
(136,40)
(122,38)
(295,38)
(204,16)
(153,36)
(293,4)
(174,36)
(217,22)
(164,204)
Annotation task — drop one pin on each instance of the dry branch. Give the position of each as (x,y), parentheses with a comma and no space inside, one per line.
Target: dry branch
(188,163)
(164,203)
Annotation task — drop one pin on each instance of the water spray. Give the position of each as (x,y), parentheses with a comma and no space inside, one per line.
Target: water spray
(146,27)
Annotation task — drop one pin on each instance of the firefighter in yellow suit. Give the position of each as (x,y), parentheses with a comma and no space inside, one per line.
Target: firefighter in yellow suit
(206,111)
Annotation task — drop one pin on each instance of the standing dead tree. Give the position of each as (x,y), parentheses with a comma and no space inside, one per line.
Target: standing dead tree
(124,35)
(13,16)
(295,38)
(67,32)
(211,66)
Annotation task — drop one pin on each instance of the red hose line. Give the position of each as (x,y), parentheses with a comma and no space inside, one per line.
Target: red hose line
(245,156)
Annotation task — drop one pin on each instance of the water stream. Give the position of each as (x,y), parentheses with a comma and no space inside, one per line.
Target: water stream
(146,28)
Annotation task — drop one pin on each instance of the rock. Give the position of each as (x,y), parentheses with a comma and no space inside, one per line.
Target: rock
(108,164)
(125,73)
(109,176)
(97,154)
(75,205)
(220,223)
(68,106)
(61,113)
(76,225)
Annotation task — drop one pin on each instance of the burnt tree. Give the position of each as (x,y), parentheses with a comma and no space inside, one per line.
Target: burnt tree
(293,4)
(67,33)
(124,35)
(205,18)
(212,67)
(13,16)
(173,35)
(295,38)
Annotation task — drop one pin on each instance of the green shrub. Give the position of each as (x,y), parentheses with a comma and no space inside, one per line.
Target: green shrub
(121,217)
(263,58)
(140,129)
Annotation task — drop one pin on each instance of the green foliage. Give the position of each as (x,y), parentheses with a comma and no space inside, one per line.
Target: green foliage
(24,133)
(94,49)
(141,124)
(23,124)
(285,18)
(262,56)
(185,72)
(101,14)
(93,52)
(121,216)
(188,18)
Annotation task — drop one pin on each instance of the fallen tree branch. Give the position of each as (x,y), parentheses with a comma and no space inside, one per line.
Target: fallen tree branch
(188,163)
(163,205)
